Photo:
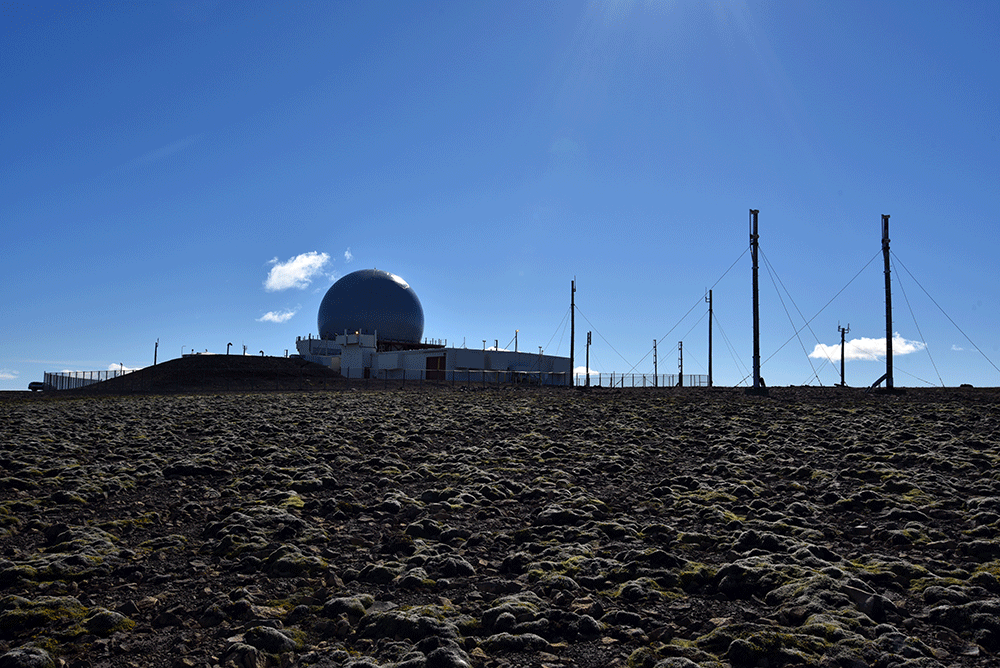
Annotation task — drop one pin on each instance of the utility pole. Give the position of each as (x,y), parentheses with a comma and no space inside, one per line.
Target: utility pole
(758,384)
(888,303)
(887,377)
(709,300)
(572,328)
(656,371)
(156,349)
(843,332)
(515,339)
(588,359)
(680,364)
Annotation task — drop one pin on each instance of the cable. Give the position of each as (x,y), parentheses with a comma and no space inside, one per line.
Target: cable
(602,336)
(732,351)
(919,333)
(946,315)
(773,273)
(825,305)
(557,327)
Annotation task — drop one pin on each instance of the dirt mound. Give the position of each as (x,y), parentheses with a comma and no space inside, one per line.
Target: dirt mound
(221,373)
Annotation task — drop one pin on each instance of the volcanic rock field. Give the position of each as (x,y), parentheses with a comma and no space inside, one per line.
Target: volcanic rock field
(439,528)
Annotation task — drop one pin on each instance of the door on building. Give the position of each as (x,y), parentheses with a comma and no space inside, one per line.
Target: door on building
(436,368)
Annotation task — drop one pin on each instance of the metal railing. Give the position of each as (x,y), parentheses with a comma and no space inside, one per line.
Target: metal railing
(73,380)
(641,380)
(482,377)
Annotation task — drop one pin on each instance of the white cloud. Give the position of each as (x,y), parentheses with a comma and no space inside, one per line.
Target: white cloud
(298,272)
(348,255)
(123,367)
(8,374)
(279,316)
(957,348)
(582,371)
(867,349)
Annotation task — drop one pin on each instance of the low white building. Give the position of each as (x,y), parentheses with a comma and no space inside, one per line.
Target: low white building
(364,356)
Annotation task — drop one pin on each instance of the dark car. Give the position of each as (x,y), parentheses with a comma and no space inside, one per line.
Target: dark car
(36,385)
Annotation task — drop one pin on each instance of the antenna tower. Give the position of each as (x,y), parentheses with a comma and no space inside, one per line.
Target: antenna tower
(680,364)
(656,370)
(572,328)
(758,382)
(842,333)
(887,376)
(709,300)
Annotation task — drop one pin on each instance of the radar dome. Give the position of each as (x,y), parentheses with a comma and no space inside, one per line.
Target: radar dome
(372,301)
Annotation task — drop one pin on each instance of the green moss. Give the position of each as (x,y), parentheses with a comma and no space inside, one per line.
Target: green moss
(21,616)
(695,575)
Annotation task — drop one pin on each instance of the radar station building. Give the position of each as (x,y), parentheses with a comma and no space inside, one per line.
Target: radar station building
(371,324)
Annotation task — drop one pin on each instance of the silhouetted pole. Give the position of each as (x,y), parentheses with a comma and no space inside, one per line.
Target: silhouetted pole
(588,359)
(843,332)
(572,329)
(888,303)
(156,349)
(709,338)
(756,302)
(656,370)
(680,364)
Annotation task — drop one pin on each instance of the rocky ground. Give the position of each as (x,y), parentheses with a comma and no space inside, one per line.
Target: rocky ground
(500,528)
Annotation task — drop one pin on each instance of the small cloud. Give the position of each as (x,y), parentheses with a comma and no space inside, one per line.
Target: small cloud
(279,316)
(123,367)
(298,272)
(348,256)
(957,348)
(867,349)
(582,371)
(165,151)
(8,374)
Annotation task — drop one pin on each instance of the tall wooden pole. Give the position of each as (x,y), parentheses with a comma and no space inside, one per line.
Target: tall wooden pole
(843,333)
(656,368)
(888,303)
(680,364)
(710,338)
(572,328)
(756,303)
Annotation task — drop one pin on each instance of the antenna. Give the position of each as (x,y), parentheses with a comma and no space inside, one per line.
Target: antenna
(758,382)
(842,333)
(680,364)
(709,300)
(572,327)
(656,371)
(887,377)
(588,359)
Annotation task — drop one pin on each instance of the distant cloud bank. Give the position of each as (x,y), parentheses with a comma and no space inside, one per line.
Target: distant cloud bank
(279,316)
(297,272)
(867,349)
(7,374)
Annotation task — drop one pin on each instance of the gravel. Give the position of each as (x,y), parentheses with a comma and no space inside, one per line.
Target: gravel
(501,527)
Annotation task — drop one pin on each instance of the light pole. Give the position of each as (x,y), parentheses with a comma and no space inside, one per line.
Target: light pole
(228,345)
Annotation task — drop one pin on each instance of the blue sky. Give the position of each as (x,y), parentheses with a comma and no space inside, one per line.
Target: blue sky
(200,173)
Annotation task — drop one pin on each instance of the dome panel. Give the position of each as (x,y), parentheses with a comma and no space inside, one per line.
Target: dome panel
(372,301)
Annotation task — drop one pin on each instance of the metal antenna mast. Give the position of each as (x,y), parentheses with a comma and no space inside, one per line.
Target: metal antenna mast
(888,303)
(572,328)
(758,382)
(588,359)
(656,370)
(887,377)
(680,364)
(842,333)
(709,300)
